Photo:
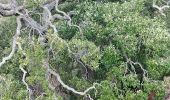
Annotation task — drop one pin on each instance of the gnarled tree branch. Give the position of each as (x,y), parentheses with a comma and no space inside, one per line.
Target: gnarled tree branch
(25,83)
(49,70)
(14,43)
(161,8)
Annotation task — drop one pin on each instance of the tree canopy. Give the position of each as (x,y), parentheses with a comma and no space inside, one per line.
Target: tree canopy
(84,50)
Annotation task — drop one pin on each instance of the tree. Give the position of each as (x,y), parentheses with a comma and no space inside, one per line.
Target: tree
(83,50)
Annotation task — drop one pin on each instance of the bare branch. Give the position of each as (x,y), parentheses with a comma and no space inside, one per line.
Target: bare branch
(25,83)
(48,18)
(14,43)
(57,16)
(46,65)
(161,8)
(5,6)
(68,18)
(129,61)
(7,13)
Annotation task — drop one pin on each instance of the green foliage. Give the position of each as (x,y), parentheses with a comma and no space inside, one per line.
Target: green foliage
(114,31)
(6,34)
(110,57)
(11,88)
(88,52)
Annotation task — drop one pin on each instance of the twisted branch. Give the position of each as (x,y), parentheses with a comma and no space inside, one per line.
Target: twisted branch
(46,65)
(161,8)
(14,43)
(22,14)
(25,83)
